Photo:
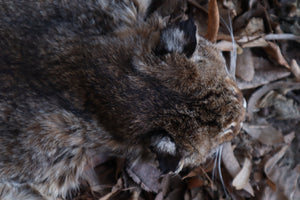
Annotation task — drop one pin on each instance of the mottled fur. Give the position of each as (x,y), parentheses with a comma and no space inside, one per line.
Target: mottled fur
(81,78)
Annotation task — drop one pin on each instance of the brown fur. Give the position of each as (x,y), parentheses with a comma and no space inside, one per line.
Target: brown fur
(81,78)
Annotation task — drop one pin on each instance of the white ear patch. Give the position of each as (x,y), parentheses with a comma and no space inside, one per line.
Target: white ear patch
(174,40)
(164,145)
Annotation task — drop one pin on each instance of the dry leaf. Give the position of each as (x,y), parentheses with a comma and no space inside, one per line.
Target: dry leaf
(107,196)
(114,190)
(145,174)
(269,166)
(271,184)
(265,72)
(295,69)
(253,41)
(213,21)
(289,137)
(159,196)
(255,26)
(257,95)
(264,132)
(232,165)
(245,65)
(242,178)
(274,52)
(195,182)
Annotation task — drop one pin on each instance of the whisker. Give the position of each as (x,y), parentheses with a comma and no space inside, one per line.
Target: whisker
(233,53)
(220,172)
(215,164)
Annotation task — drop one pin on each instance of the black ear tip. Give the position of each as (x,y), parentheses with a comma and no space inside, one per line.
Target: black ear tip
(188,26)
(172,39)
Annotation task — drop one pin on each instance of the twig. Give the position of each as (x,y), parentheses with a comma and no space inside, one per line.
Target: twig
(282,36)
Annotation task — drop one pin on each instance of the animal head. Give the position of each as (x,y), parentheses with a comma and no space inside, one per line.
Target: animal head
(177,97)
(165,88)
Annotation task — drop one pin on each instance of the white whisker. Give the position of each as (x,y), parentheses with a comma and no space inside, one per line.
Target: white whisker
(233,53)
(215,164)
(220,172)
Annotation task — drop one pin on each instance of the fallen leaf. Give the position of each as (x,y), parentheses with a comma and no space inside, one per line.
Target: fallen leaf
(295,69)
(265,72)
(254,26)
(264,132)
(271,184)
(284,109)
(195,182)
(245,65)
(213,21)
(242,178)
(274,52)
(135,195)
(270,164)
(115,190)
(145,174)
(289,138)
(159,196)
(233,166)
(258,94)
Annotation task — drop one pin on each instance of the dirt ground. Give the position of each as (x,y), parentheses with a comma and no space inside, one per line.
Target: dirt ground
(263,161)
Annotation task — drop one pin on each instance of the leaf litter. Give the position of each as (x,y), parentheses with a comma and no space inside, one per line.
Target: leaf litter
(263,161)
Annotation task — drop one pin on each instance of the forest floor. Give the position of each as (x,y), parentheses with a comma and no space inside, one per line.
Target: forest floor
(263,161)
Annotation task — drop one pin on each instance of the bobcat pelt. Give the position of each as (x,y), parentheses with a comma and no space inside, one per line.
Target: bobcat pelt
(82,78)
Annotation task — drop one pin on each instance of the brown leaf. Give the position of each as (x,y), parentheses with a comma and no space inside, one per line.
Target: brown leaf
(271,184)
(232,165)
(195,182)
(295,69)
(245,65)
(274,52)
(213,21)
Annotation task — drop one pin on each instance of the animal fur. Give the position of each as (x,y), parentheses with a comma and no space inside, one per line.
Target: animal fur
(81,78)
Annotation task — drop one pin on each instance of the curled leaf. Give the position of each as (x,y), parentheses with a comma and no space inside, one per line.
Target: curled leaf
(242,178)
(232,165)
(213,21)
(274,52)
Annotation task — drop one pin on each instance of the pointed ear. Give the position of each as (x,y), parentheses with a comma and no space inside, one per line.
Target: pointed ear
(180,38)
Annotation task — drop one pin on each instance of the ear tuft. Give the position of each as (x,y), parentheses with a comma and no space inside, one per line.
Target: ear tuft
(180,38)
